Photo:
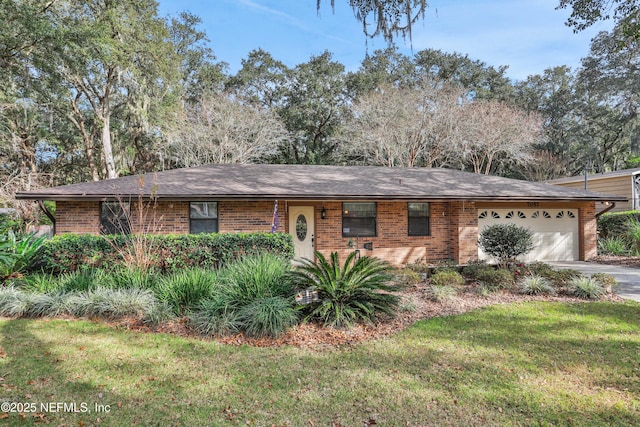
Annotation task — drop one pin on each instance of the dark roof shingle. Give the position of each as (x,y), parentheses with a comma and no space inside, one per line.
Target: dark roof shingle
(261,181)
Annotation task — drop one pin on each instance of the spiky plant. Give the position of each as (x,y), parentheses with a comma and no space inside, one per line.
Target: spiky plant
(535,285)
(356,291)
(587,288)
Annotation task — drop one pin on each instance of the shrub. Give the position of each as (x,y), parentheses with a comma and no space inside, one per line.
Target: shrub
(129,278)
(494,279)
(587,288)
(632,234)
(506,242)
(184,290)
(535,285)
(269,316)
(612,245)
(65,253)
(357,291)
(440,293)
(13,302)
(253,294)
(17,251)
(614,224)
(111,303)
(47,305)
(213,317)
(254,277)
(607,281)
(407,277)
(474,268)
(159,313)
(446,278)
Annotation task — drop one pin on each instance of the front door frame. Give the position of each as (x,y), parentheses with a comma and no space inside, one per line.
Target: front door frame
(309,213)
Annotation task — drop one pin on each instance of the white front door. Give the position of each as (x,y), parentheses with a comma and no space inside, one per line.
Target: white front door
(302,228)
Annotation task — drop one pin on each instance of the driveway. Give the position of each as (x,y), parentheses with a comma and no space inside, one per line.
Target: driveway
(627,277)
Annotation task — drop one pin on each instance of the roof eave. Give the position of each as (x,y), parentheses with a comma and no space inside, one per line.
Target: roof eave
(182,197)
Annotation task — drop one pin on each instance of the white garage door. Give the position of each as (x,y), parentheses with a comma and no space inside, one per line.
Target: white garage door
(555,231)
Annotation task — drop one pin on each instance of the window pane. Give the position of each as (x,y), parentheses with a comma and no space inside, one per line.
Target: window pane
(204,226)
(418,226)
(114,218)
(359,227)
(418,209)
(203,210)
(418,219)
(358,219)
(359,210)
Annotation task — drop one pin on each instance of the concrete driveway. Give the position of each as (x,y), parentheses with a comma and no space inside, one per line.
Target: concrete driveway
(627,277)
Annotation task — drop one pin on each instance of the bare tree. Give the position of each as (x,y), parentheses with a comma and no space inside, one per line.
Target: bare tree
(403,126)
(488,130)
(222,130)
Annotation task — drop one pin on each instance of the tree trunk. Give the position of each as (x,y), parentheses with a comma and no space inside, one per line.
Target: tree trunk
(106,147)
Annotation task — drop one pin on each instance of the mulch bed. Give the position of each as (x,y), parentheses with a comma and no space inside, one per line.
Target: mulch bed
(625,261)
(317,337)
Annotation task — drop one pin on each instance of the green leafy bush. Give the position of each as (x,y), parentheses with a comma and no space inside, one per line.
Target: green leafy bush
(69,252)
(269,316)
(612,245)
(17,252)
(185,289)
(587,288)
(474,268)
(494,279)
(535,285)
(506,242)
(614,224)
(356,291)
(632,234)
(253,294)
(446,278)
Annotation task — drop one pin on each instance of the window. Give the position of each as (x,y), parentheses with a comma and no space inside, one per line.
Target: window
(358,220)
(114,218)
(203,217)
(418,219)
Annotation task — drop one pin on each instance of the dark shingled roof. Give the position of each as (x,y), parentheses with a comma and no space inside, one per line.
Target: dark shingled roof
(302,182)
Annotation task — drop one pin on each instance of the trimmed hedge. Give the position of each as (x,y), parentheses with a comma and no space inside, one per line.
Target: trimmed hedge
(614,223)
(71,252)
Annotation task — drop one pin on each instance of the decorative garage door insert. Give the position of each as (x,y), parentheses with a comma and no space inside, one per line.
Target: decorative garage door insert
(555,231)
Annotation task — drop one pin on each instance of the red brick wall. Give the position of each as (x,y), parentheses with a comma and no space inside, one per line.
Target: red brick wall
(454,227)
(77,217)
(249,216)
(392,242)
(588,229)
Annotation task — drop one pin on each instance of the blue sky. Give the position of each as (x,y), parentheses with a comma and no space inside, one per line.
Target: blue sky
(527,35)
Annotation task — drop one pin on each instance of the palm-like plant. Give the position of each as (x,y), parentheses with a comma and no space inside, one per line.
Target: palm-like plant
(17,251)
(356,291)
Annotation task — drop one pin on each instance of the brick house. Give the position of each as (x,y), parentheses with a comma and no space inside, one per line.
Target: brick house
(397,214)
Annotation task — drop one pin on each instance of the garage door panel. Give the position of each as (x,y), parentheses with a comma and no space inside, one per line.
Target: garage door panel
(555,231)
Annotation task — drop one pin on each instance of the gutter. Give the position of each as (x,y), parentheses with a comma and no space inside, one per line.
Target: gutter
(607,209)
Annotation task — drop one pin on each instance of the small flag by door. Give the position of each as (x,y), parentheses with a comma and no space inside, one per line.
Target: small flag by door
(274,224)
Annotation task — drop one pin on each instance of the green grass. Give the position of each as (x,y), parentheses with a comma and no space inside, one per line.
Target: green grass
(519,364)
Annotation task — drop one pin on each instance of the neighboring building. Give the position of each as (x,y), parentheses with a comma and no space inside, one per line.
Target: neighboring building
(624,183)
(398,214)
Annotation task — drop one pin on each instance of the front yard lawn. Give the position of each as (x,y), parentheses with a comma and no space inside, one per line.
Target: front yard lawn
(532,363)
